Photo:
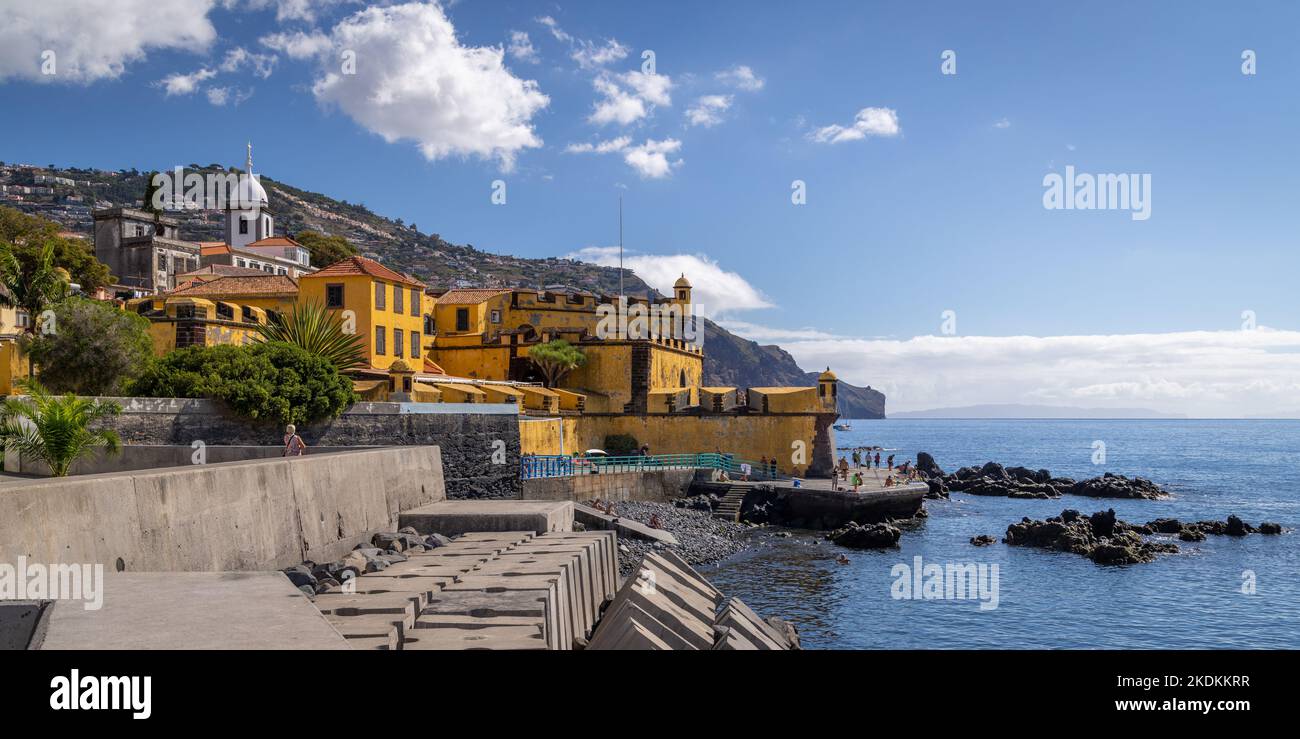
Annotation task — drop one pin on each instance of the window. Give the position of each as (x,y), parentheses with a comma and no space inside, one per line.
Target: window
(428,325)
(398,308)
(248,315)
(496,316)
(380,335)
(462,319)
(243,226)
(415,344)
(381,296)
(415,301)
(334,296)
(225,311)
(398,336)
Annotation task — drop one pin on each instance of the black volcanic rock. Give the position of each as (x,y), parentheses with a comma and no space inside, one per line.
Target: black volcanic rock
(1100,537)
(1023,482)
(871,536)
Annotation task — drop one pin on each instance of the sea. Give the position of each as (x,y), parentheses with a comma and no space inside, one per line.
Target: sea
(1224,592)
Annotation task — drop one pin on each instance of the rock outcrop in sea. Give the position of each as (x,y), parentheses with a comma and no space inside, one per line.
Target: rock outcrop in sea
(1022,482)
(1107,540)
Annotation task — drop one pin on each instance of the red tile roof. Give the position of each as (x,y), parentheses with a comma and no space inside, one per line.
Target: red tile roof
(363,266)
(229,287)
(468,296)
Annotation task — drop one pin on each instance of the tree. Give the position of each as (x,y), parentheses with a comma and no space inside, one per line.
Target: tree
(267,381)
(325,250)
(150,187)
(28,236)
(317,330)
(93,348)
(555,359)
(30,287)
(56,429)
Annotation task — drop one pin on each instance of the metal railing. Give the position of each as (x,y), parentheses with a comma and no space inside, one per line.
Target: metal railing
(541,466)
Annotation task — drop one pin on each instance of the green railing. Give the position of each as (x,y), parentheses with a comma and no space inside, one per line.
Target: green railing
(533,467)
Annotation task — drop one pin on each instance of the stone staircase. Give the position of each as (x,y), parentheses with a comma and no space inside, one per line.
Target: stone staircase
(729,506)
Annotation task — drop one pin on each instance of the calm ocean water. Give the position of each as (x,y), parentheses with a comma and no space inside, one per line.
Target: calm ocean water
(1054,600)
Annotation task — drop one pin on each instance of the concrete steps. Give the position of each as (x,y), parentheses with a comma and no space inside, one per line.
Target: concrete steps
(731,503)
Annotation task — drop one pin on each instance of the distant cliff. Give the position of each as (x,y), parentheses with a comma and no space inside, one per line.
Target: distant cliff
(730,360)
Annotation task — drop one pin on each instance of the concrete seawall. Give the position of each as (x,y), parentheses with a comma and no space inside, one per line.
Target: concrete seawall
(254,515)
(654,485)
(479,441)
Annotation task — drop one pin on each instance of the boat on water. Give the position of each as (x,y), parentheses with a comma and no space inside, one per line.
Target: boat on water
(842,427)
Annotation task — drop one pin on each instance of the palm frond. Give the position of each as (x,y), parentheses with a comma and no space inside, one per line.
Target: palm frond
(319,331)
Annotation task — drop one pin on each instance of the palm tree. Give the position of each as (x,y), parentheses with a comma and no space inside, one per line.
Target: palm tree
(312,327)
(56,429)
(31,290)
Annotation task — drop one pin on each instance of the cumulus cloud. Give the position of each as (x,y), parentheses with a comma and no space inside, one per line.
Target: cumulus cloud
(220,96)
(1198,373)
(239,58)
(184,84)
(95,39)
(593,55)
(708,110)
(629,97)
(521,48)
(741,77)
(298,44)
(868,122)
(554,27)
(415,81)
(649,159)
(286,10)
(716,291)
(1003,123)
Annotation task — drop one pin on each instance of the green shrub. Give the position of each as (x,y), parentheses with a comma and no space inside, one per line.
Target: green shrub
(271,381)
(94,349)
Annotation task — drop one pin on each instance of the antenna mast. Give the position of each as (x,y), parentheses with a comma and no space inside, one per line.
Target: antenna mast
(620,248)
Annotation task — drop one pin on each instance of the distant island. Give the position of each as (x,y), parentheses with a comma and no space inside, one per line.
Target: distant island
(1017,410)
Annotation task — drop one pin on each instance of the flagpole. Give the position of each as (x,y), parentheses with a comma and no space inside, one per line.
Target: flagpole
(620,248)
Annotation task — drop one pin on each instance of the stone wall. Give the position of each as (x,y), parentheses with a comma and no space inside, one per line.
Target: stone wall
(256,515)
(479,441)
(658,485)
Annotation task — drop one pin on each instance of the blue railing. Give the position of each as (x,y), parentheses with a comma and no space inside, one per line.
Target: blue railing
(541,466)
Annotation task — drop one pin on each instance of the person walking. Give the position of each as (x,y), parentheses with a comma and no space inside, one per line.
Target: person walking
(877,460)
(294,446)
(890,460)
(857,458)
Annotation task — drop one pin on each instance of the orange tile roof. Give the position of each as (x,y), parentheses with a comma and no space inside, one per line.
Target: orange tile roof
(210,248)
(468,296)
(431,367)
(264,285)
(362,266)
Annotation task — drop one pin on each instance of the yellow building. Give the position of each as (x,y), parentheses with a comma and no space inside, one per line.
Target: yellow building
(226,310)
(385,308)
(630,367)
(13,362)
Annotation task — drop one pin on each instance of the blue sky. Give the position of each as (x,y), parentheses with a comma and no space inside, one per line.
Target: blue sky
(938,207)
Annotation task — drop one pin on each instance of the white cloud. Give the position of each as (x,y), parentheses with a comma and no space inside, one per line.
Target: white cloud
(96,39)
(1198,373)
(415,81)
(286,10)
(590,55)
(238,58)
(298,44)
(714,290)
(868,122)
(1004,123)
(649,159)
(741,77)
(708,110)
(521,48)
(184,84)
(554,27)
(600,147)
(768,334)
(629,97)
(220,96)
